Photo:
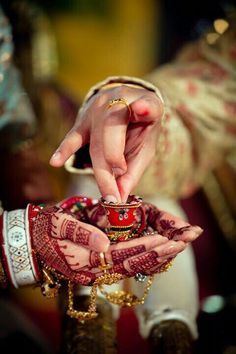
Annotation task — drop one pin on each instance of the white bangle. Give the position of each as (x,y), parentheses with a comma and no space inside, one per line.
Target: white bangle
(17,248)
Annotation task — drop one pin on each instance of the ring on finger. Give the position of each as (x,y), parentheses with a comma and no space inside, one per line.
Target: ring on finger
(121,100)
(103,265)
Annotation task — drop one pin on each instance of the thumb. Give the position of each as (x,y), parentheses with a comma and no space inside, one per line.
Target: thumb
(85,235)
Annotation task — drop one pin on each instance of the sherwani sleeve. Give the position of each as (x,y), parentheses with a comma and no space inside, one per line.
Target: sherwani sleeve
(199,125)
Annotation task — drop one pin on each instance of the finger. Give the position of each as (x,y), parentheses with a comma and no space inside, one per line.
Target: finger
(174,227)
(102,171)
(82,234)
(148,260)
(123,250)
(148,108)
(170,249)
(96,215)
(107,145)
(136,167)
(142,263)
(162,267)
(73,141)
(114,137)
(188,233)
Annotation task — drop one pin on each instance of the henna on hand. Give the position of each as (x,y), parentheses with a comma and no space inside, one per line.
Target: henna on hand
(119,256)
(169,225)
(64,243)
(143,262)
(151,261)
(145,255)
(157,220)
(95,215)
(72,247)
(72,231)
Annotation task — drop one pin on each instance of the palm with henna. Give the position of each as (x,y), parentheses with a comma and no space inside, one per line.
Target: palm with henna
(72,247)
(147,254)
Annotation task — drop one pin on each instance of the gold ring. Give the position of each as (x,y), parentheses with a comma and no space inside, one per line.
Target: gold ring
(119,101)
(103,265)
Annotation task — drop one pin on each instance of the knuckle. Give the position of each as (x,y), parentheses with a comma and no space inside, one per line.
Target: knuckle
(101,99)
(114,157)
(113,111)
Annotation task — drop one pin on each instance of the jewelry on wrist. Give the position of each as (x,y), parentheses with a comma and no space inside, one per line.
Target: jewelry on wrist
(3,277)
(31,213)
(19,259)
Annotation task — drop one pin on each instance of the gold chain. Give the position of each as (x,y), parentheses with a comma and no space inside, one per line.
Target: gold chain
(126,299)
(106,279)
(121,298)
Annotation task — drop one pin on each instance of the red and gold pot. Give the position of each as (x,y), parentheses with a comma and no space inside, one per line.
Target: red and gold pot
(122,217)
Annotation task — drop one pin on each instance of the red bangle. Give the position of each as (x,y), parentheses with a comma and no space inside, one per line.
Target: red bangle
(77,200)
(31,213)
(4,272)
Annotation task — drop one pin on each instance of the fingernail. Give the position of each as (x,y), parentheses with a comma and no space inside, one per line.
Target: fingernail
(110,199)
(198,229)
(118,171)
(99,242)
(171,249)
(56,156)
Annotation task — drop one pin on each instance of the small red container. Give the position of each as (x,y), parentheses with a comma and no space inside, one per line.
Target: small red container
(121,218)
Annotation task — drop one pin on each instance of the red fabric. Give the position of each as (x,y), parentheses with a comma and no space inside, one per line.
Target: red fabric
(32,213)
(3,254)
(129,339)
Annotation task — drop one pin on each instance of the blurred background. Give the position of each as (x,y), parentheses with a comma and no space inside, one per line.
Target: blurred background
(62,48)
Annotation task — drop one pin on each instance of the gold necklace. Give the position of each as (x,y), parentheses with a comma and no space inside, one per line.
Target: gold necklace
(52,283)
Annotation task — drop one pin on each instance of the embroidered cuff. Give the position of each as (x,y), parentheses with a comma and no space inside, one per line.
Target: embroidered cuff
(121,79)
